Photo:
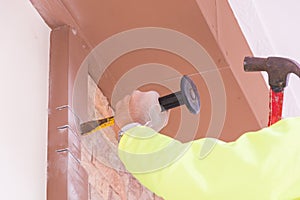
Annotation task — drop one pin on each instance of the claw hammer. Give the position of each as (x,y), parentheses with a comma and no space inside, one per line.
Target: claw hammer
(278,70)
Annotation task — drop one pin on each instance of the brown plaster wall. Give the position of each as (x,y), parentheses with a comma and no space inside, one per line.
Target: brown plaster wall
(78,26)
(66,177)
(212,24)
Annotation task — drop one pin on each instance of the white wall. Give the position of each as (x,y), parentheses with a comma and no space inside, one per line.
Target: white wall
(272,29)
(24,44)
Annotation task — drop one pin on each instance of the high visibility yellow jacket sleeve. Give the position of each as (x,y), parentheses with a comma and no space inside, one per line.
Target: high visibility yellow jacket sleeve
(259,165)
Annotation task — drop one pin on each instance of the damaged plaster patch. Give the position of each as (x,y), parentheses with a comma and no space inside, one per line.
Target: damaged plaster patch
(108,178)
(102,144)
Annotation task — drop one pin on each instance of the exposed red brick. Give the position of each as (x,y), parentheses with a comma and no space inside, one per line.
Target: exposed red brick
(108,179)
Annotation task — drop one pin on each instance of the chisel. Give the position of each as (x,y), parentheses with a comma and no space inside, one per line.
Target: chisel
(188,95)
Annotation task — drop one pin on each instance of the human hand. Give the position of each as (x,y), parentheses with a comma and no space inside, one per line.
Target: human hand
(142,108)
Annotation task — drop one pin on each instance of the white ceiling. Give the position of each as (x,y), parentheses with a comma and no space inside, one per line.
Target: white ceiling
(271,28)
(281,21)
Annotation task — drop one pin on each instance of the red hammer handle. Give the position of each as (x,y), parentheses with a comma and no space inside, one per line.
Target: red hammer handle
(275,104)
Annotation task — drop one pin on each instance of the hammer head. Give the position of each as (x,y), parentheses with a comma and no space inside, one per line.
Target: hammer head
(276,67)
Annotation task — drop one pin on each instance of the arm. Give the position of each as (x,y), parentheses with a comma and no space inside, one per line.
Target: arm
(259,165)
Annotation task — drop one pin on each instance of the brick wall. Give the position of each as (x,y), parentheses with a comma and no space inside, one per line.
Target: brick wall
(108,179)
